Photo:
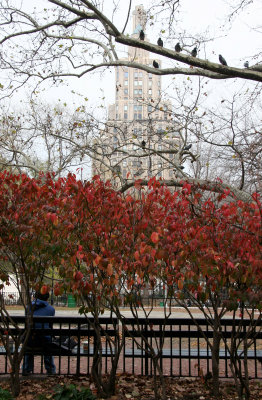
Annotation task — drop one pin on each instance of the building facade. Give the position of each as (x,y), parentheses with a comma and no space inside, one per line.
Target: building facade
(140,135)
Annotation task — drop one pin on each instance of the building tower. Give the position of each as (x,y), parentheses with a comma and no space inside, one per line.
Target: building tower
(139,133)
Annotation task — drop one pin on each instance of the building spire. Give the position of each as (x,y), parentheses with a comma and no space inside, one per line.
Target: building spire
(139,19)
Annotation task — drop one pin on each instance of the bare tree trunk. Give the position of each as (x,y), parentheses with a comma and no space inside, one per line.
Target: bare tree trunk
(14,376)
(159,387)
(215,360)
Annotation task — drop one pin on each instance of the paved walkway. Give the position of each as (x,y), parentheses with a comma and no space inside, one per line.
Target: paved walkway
(156,313)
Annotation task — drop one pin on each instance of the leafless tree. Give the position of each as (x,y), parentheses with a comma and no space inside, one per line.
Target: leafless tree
(231,136)
(45,138)
(74,38)
(195,146)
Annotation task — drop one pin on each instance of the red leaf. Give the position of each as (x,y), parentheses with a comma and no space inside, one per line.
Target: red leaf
(155,237)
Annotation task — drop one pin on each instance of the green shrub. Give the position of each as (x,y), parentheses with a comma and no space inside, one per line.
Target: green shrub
(69,392)
(5,395)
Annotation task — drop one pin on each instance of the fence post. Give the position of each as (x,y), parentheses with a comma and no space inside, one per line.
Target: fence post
(146,350)
(78,350)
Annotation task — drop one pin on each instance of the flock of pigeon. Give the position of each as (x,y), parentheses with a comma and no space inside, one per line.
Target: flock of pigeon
(178,48)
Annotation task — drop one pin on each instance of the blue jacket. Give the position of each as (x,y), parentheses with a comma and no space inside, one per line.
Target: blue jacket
(41,308)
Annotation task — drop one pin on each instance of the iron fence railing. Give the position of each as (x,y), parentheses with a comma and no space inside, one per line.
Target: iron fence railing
(177,342)
(14,299)
(68,300)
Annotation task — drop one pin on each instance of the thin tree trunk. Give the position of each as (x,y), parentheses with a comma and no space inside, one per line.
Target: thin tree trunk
(14,377)
(215,356)
(159,388)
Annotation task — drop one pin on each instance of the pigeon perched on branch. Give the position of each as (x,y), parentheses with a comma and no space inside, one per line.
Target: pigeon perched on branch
(142,35)
(246,64)
(117,169)
(160,42)
(188,147)
(155,64)
(194,52)
(222,60)
(139,172)
(178,48)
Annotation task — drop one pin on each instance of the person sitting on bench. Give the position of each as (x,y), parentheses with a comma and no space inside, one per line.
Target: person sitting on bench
(42,308)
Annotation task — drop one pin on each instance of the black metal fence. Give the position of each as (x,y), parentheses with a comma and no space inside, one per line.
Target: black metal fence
(14,299)
(178,342)
(68,300)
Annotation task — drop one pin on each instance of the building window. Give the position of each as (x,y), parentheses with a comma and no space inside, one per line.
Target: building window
(139,116)
(159,169)
(149,108)
(125,107)
(137,132)
(149,83)
(126,74)
(126,83)
(136,74)
(125,91)
(125,115)
(150,75)
(140,74)
(115,142)
(150,92)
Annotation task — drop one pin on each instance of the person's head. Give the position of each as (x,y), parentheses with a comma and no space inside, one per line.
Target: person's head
(41,296)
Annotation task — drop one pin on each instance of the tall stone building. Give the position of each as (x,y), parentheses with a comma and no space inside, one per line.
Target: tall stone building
(140,131)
